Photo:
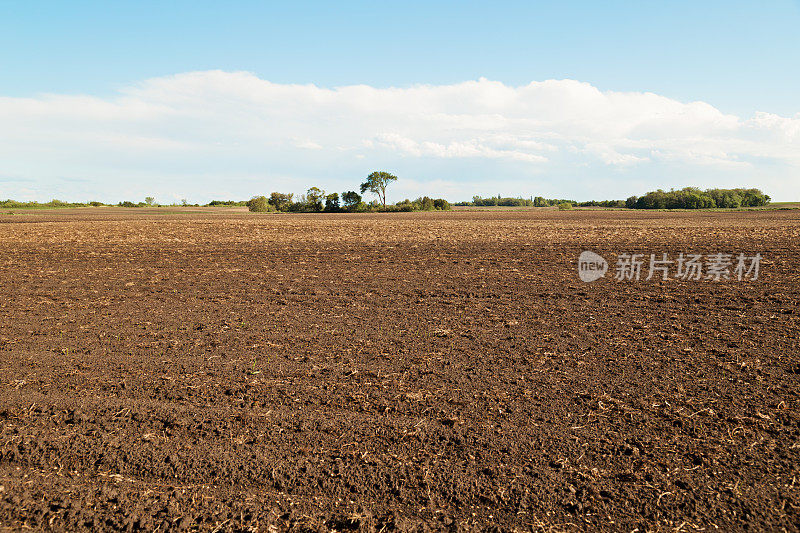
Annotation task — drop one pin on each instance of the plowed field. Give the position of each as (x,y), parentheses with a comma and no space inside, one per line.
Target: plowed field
(218,370)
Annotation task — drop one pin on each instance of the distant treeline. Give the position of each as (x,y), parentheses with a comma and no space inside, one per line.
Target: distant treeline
(694,198)
(315,200)
(538,201)
(687,198)
(149,202)
(226,203)
(13,204)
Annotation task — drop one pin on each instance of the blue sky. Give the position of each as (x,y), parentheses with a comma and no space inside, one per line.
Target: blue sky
(189,61)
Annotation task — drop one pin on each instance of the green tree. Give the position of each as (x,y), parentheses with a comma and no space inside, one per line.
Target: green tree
(259,204)
(694,198)
(332,202)
(314,197)
(281,201)
(149,200)
(754,198)
(376,183)
(351,199)
(441,204)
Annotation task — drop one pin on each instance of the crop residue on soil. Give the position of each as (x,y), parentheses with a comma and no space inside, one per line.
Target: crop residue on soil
(217,370)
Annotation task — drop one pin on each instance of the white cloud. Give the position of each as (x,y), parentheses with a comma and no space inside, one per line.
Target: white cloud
(308,145)
(478,148)
(183,134)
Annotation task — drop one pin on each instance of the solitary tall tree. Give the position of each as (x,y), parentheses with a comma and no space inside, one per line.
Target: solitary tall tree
(376,183)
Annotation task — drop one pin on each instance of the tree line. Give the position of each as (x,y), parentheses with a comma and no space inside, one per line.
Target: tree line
(694,198)
(686,198)
(315,200)
(538,201)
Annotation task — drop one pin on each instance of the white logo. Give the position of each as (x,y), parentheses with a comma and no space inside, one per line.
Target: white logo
(591,266)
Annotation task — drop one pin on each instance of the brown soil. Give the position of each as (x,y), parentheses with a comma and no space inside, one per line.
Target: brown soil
(217,370)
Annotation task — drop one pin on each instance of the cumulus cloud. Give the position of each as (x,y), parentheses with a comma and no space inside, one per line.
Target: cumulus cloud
(223,131)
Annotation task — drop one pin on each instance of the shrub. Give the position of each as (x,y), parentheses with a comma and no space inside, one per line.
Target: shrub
(602,203)
(422,204)
(259,204)
(441,204)
(407,205)
(563,206)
